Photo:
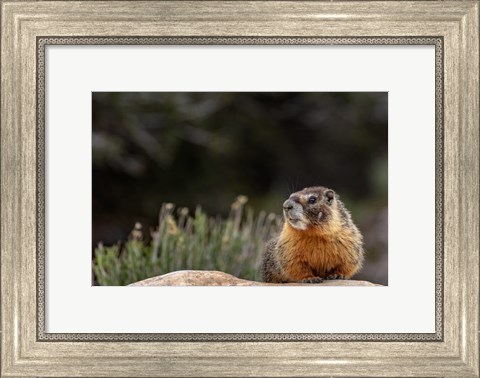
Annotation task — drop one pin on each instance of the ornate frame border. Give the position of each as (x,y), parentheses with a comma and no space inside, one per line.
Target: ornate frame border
(438,42)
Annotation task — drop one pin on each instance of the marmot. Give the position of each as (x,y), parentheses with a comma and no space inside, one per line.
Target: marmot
(318,241)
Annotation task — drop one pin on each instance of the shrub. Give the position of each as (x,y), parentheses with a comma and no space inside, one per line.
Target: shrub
(182,241)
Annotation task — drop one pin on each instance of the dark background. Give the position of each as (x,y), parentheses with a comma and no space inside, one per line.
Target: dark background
(206,148)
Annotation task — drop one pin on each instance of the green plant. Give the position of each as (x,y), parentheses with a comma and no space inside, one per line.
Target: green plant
(190,242)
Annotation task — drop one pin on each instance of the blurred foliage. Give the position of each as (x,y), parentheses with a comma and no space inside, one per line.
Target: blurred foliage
(233,245)
(205,148)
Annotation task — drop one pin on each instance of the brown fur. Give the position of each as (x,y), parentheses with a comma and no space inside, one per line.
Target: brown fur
(329,248)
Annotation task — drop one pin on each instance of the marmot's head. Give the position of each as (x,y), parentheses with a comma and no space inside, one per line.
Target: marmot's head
(310,207)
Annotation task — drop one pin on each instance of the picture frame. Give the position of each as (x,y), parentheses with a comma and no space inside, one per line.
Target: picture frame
(452,26)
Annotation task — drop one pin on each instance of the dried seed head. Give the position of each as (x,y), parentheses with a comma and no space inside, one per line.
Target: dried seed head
(242,200)
(137,232)
(172,226)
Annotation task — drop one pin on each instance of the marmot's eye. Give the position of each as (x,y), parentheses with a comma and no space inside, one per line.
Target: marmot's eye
(330,196)
(311,199)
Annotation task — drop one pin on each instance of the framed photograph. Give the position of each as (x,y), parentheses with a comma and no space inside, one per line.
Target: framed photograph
(272,149)
(219,188)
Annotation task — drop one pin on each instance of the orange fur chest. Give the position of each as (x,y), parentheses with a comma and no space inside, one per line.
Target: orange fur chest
(307,253)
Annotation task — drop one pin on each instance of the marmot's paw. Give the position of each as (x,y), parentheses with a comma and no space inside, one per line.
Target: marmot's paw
(334,277)
(312,280)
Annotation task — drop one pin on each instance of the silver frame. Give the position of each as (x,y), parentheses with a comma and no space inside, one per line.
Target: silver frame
(42,42)
(29,26)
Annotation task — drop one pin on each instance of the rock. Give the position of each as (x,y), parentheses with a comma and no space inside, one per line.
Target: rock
(216,278)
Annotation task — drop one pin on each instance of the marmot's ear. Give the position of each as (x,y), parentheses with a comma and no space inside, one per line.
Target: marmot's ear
(330,195)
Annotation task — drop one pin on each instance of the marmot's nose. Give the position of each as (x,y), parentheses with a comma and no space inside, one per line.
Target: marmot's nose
(288,204)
